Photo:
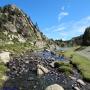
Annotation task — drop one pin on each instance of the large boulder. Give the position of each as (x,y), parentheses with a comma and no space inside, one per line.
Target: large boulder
(54,87)
(5,57)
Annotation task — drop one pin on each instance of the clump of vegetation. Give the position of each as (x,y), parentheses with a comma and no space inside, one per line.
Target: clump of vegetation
(82,64)
(64,67)
(3,69)
(17,48)
(58,64)
(61,63)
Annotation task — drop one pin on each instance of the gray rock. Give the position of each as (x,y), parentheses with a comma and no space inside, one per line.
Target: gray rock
(39,72)
(5,57)
(10,27)
(73,78)
(54,87)
(45,70)
(76,88)
(30,78)
(81,82)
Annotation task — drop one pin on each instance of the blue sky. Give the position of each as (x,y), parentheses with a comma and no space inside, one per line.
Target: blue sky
(56,18)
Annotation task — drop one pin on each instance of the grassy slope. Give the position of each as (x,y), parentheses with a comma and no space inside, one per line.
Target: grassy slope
(82,63)
(64,67)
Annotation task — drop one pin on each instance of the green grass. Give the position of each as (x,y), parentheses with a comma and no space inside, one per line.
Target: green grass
(64,67)
(83,65)
(70,51)
(17,48)
(61,63)
(80,62)
(3,69)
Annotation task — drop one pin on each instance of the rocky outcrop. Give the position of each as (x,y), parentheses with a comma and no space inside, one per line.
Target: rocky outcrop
(73,78)
(9,26)
(17,27)
(40,44)
(5,57)
(54,87)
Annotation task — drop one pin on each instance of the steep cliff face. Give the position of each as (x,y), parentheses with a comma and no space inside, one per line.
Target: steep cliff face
(17,27)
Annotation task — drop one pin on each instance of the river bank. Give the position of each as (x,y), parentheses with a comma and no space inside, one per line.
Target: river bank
(23,73)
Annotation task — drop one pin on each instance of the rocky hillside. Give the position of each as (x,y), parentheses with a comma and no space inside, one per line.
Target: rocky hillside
(16,28)
(83,39)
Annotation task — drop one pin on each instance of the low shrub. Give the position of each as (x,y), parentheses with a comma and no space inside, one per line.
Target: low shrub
(65,69)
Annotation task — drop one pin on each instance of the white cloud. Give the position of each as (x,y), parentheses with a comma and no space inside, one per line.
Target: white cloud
(62,14)
(59,29)
(69,29)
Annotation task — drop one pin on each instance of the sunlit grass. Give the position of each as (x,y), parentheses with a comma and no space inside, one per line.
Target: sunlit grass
(80,62)
(2,72)
(71,51)
(64,67)
(83,65)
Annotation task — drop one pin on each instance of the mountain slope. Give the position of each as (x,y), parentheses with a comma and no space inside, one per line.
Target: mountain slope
(18,29)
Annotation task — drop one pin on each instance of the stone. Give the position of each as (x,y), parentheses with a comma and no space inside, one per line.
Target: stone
(52,64)
(76,88)
(73,78)
(45,70)
(21,39)
(39,72)
(54,87)
(5,78)
(5,57)
(30,78)
(81,82)
(27,62)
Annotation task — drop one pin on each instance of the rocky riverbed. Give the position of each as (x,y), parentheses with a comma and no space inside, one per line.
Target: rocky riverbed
(33,71)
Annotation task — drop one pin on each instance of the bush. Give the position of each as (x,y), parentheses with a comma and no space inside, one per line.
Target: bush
(58,64)
(65,69)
